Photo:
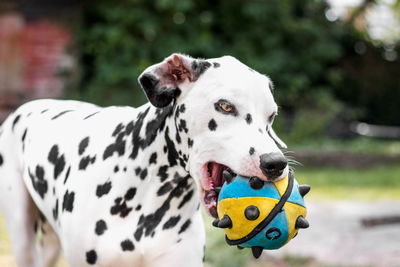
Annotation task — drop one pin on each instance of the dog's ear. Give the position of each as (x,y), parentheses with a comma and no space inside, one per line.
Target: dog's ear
(165,81)
(275,137)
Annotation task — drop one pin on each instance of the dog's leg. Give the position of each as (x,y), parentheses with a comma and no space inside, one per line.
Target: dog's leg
(49,245)
(17,206)
(20,214)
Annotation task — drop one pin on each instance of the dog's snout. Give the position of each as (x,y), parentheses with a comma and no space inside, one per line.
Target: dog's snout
(273,164)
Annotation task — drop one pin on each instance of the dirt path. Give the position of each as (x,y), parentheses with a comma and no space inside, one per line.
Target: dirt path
(336,235)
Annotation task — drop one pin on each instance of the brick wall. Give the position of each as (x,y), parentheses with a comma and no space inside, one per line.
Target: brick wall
(33,55)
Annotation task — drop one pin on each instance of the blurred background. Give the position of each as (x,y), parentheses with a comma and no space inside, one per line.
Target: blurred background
(336,69)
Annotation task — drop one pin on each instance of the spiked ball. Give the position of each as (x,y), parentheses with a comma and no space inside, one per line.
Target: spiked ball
(260,215)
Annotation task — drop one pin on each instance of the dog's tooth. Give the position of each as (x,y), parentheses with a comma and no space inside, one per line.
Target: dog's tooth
(217,189)
(211,194)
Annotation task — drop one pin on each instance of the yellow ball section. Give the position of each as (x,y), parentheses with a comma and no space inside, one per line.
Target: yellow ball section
(293,211)
(235,209)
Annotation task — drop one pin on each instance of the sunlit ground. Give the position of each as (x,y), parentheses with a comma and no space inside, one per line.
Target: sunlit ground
(328,184)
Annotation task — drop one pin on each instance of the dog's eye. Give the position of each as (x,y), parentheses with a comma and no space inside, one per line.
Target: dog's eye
(225,107)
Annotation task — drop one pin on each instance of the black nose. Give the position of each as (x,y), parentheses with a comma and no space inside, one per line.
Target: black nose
(272,164)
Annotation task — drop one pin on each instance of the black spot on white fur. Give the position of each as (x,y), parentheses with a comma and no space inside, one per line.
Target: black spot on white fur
(101,227)
(15,121)
(182,126)
(182,108)
(200,66)
(153,127)
(90,115)
(249,119)
(142,173)
(165,188)
(172,153)
(85,161)
(60,114)
(83,145)
(67,174)
(171,222)
(153,158)
(68,202)
(162,173)
(55,211)
(120,208)
(57,160)
(186,199)
(117,147)
(190,142)
(39,184)
(185,226)
(251,151)
(103,189)
(130,194)
(24,136)
(118,129)
(1,160)
(148,223)
(91,257)
(127,245)
(212,125)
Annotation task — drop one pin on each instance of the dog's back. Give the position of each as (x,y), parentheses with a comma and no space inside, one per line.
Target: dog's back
(79,171)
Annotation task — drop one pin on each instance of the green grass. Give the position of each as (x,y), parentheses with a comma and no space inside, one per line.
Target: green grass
(357,145)
(382,182)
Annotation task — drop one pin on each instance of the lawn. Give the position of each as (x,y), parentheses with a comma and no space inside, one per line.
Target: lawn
(382,182)
(356,145)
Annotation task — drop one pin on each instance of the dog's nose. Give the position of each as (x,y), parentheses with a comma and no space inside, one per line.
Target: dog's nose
(272,164)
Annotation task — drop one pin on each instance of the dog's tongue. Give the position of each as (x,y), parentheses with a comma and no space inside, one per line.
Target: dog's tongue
(216,173)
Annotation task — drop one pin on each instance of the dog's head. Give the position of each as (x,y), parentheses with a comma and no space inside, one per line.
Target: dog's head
(225,115)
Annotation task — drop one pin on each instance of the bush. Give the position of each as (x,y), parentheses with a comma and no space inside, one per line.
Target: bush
(290,40)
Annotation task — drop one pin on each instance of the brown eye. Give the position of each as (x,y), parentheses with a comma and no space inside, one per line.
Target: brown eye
(226,107)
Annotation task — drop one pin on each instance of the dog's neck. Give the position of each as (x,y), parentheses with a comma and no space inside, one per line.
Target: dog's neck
(160,128)
(174,189)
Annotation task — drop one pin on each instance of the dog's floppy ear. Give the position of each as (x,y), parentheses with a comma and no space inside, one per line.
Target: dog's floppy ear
(165,81)
(275,137)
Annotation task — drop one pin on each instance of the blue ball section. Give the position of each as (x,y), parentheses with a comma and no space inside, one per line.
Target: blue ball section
(295,197)
(239,187)
(277,234)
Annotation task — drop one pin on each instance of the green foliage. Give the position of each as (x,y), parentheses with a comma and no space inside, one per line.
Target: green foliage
(290,40)
(310,122)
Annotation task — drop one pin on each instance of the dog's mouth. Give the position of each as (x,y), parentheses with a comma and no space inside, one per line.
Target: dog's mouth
(212,182)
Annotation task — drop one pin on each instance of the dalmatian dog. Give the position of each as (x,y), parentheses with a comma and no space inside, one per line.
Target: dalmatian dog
(122,186)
